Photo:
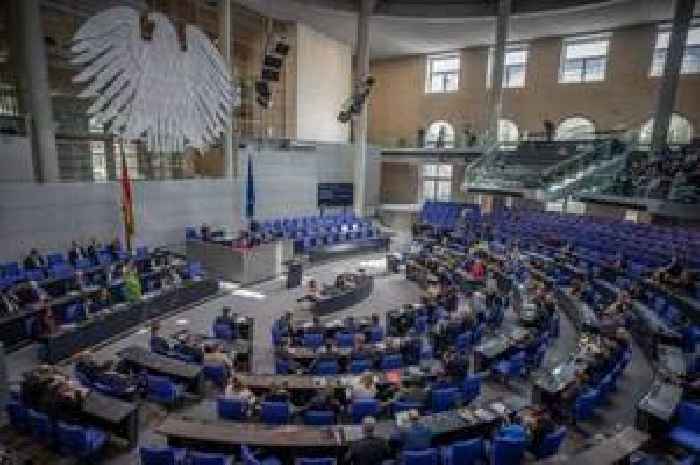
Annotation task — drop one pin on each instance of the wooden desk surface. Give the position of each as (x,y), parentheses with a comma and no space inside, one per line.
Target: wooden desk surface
(255,434)
(107,408)
(608,452)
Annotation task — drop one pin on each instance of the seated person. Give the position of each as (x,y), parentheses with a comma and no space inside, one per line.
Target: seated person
(34,261)
(205,232)
(538,424)
(91,250)
(415,436)
(278,393)
(89,367)
(364,388)
(75,253)
(324,400)
(101,301)
(216,356)
(9,303)
(327,354)
(675,274)
(114,248)
(478,270)
(368,450)
(132,284)
(412,390)
(236,390)
(456,364)
(190,347)
(158,344)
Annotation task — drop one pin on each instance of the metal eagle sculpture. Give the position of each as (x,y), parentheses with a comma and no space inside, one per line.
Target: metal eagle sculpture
(174,93)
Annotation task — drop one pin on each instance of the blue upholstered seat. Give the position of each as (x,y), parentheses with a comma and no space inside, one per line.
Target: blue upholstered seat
(687,432)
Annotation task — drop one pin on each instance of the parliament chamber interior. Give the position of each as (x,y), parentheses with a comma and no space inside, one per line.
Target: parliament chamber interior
(349,232)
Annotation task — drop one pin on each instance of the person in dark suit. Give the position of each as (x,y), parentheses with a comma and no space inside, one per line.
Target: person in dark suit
(34,261)
(369,449)
(75,253)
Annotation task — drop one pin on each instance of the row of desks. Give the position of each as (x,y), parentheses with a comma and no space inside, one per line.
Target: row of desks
(227,436)
(101,327)
(337,299)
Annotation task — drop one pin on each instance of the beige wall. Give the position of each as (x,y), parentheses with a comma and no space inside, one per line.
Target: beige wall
(399,183)
(399,105)
(324,69)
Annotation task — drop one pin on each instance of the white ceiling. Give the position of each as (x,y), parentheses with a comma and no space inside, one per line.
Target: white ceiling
(393,35)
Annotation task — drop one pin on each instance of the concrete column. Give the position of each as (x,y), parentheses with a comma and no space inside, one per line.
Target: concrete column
(499,53)
(34,79)
(225,48)
(682,14)
(360,134)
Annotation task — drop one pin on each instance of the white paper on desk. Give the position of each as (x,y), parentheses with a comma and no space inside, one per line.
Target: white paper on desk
(402,419)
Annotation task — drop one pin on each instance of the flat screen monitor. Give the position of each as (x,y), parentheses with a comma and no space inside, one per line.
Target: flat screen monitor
(335,194)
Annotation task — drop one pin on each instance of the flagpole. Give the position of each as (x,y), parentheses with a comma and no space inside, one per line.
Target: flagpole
(127,206)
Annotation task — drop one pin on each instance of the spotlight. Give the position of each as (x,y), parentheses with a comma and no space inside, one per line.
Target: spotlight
(262,88)
(273,62)
(281,48)
(269,74)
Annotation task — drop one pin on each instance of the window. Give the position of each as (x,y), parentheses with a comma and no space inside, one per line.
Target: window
(514,67)
(576,128)
(437,182)
(691,57)
(507,134)
(584,59)
(680,132)
(440,135)
(442,74)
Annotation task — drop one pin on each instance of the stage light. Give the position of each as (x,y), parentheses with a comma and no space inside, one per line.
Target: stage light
(273,62)
(262,88)
(269,74)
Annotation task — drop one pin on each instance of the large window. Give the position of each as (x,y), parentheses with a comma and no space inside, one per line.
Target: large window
(507,134)
(442,73)
(691,58)
(440,135)
(514,67)
(680,132)
(584,58)
(576,128)
(437,182)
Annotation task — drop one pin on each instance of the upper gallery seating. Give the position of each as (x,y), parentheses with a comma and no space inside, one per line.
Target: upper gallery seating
(671,175)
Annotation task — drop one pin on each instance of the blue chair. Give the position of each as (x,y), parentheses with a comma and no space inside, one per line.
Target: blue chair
(376,334)
(471,388)
(468,452)
(326,368)
(360,366)
(223,331)
(345,339)
(162,390)
(419,457)
(315,461)
(79,441)
(162,456)
(444,399)
(231,408)
(319,417)
(687,432)
(404,406)
(281,366)
(54,258)
(218,374)
(250,459)
(275,413)
(585,404)
(312,340)
(201,458)
(550,444)
(194,270)
(391,362)
(363,408)
(40,426)
(18,415)
(506,451)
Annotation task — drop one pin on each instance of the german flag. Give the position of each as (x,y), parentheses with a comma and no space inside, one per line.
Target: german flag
(127,204)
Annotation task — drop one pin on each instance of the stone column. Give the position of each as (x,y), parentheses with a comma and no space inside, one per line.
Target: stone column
(499,53)
(225,48)
(33,76)
(360,134)
(682,15)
